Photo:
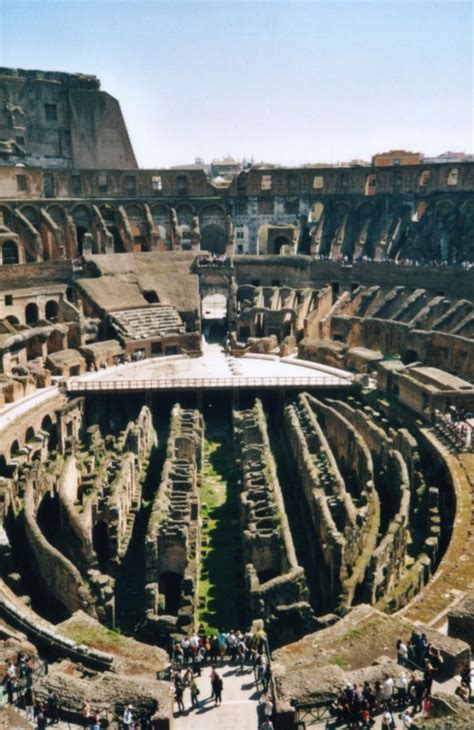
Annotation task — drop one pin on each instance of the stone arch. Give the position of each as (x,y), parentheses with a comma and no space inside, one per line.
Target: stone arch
(370,184)
(212,220)
(10,253)
(101,543)
(58,215)
(185,215)
(170,587)
(47,426)
(82,218)
(108,213)
(51,309)
(31,313)
(14,448)
(185,234)
(137,220)
(31,214)
(316,212)
(213,239)
(280,243)
(161,218)
(30,434)
(212,215)
(46,423)
(12,319)
(7,214)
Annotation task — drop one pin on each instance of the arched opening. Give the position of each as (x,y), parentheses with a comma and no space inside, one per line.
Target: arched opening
(411,356)
(48,427)
(80,233)
(14,449)
(281,245)
(151,296)
(51,309)
(10,253)
(118,243)
(34,348)
(30,434)
(49,520)
(214,317)
(31,313)
(101,544)
(12,319)
(82,220)
(213,239)
(170,589)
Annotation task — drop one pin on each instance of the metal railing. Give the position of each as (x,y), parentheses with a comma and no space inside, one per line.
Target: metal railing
(197,383)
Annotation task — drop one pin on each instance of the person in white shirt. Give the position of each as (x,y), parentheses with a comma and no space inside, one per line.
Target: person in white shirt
(407,719)
(401,683)
(127,718)
(387,690)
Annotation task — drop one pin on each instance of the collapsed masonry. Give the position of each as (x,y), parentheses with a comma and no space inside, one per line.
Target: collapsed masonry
(362,486)
(79,511)
(173,537)
(276,584)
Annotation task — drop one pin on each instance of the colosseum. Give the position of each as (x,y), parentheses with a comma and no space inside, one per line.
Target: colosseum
(228,405)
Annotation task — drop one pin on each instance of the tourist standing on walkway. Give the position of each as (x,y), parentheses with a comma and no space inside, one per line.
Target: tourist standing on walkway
(402,652)
(401,683)
(53,707)
(179,690)
(217,686)
(29,704)
(194,694)
(242,651)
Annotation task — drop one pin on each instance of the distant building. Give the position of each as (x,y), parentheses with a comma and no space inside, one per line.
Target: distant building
(449,157)
(396,157)
(227,167)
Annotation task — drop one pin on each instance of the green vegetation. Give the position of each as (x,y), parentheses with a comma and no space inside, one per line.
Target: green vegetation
(339,661)
(220,581)
(95,635)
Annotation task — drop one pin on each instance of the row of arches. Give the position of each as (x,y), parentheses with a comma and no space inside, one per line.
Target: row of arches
(29,438)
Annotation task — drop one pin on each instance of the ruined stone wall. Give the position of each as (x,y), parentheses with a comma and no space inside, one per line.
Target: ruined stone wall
(344,513)
(173,534)
(80,544)
(393,577)
(274,580)
(117,494)
(61,577)
(61,120)
(277,311)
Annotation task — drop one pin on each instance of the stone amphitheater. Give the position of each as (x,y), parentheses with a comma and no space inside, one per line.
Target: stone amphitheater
(226,406)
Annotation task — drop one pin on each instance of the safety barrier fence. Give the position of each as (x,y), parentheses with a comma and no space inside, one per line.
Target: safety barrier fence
(322,380)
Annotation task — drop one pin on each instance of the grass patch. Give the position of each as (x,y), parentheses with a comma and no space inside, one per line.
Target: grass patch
(339,661)
(220,581)
(99,637)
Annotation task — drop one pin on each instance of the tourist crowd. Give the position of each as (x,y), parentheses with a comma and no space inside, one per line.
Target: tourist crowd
(407,693)
(213,260)
(190,654)
(349,260)
(455,424)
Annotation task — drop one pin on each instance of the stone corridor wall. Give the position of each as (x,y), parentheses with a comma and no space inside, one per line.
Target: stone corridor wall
(276,584)
(173,535)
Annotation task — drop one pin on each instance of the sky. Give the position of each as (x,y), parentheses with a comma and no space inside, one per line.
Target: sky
(290,82)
